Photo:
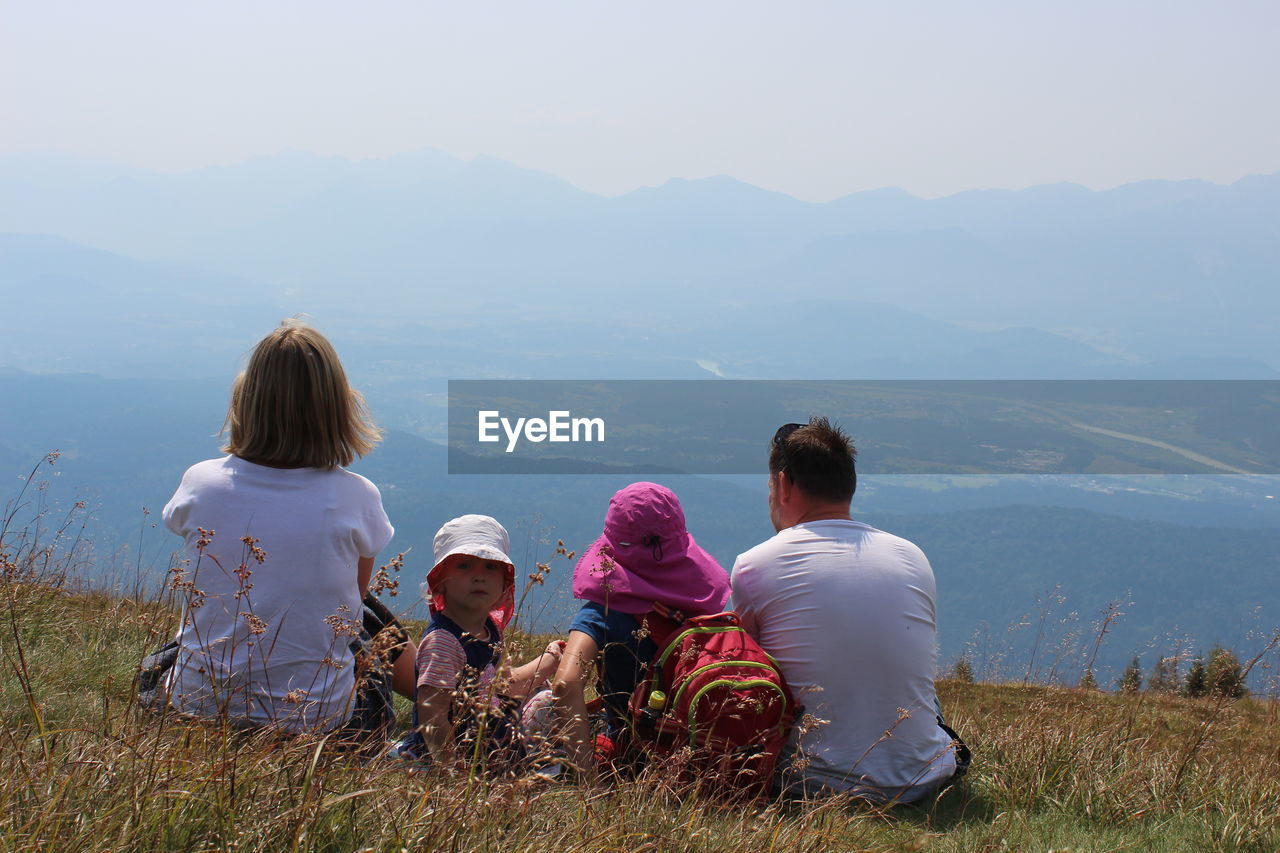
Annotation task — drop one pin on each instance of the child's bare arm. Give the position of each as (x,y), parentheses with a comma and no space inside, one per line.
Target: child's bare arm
(569,689)
(433,719)
(529,676)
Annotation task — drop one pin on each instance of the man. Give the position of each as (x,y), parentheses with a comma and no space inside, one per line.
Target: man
(848,612)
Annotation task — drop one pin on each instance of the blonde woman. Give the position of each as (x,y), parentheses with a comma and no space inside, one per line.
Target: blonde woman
(280,541)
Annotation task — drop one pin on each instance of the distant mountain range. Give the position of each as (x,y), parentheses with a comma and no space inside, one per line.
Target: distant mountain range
(1178,277)
(69,308)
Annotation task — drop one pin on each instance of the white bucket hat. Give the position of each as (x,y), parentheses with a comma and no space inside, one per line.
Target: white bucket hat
(479,536)
(474,535)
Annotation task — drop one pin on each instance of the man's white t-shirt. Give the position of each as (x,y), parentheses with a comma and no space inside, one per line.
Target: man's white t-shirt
(269,642)
(848,612)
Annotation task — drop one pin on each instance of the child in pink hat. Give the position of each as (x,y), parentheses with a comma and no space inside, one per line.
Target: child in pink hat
(461,688)
(645,556)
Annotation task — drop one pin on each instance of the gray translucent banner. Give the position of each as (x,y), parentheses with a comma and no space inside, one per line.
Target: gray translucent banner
(720,426)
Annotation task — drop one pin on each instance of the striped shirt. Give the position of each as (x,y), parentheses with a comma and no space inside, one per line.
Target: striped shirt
(443,659)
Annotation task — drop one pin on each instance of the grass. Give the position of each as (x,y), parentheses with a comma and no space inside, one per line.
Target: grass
(83,769)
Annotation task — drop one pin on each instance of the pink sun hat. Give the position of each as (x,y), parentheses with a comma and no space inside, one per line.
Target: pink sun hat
(646,555)
(480,536)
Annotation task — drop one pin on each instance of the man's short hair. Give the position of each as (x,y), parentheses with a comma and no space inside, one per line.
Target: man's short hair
(818,459)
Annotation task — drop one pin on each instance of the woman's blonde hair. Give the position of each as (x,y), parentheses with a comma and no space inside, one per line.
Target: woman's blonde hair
(292,406)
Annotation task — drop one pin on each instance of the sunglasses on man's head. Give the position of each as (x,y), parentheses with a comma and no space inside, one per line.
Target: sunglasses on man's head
(784,432)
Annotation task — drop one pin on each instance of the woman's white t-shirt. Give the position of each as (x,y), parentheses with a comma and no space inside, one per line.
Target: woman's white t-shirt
(268,624)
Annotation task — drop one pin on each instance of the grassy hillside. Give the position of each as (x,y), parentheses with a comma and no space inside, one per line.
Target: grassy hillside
(83,769)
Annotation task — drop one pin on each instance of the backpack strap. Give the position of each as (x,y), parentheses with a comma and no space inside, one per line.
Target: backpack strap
(661,622)
(963,756)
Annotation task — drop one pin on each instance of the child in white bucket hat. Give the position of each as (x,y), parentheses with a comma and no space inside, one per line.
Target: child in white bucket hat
(462,693)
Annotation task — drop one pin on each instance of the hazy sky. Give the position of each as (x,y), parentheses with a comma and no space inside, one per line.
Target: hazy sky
(814,99)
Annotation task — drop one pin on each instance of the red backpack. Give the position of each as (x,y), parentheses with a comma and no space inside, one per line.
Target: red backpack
(711,690)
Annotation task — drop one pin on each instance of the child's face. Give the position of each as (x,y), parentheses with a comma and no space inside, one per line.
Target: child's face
(473,585)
